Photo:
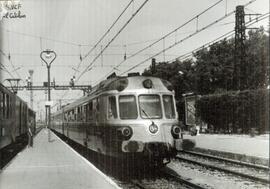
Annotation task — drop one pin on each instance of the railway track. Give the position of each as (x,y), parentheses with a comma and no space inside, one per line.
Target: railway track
(260,167)
(253,172)
(184,181)
(166,180)
(168,177)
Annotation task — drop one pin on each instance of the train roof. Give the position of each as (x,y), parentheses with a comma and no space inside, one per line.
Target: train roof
(125,83)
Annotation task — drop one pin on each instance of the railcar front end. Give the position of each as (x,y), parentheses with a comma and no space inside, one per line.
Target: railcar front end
(125,117)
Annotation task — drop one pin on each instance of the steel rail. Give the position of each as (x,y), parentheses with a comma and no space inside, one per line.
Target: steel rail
(184,181)
(261,167)
(262,180)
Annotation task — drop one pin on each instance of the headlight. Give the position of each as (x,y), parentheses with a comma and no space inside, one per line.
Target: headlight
(148,84)
(176,130)
(124,133)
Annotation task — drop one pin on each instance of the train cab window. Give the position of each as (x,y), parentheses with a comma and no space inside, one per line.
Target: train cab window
(112,112)
(150,106)
(168,106)
(127,107)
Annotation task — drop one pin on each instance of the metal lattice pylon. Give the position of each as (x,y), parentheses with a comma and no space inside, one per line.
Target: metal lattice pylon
(240,67)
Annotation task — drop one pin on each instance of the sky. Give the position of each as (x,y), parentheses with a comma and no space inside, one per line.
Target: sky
(72,27)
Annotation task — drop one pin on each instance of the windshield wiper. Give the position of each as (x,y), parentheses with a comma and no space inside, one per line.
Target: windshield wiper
(145,113)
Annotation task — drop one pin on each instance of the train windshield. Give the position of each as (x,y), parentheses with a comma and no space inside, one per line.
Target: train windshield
(168,106)
(127,107)
(150,106)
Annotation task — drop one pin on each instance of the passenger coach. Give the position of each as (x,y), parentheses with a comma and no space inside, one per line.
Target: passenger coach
(15,117)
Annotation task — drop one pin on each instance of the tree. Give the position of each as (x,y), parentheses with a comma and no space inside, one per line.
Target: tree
(257,50)
(214,67)
(210,74)
(180,74)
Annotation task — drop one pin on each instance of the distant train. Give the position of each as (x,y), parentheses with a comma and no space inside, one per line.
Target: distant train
(15,117)
(133,116)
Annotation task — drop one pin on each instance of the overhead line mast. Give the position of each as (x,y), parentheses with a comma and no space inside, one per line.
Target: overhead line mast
(240,69)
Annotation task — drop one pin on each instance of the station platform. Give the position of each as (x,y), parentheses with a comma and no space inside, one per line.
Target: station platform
(52,165)
(245,145)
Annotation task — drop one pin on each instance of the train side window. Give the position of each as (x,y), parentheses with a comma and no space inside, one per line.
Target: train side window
(73,115)
(128,107)
(112,112)
(66,117)
(1,104)
(97,104)
(96,108)
(78,113)
(168,106)
(84,112)
(3,131)
(89,111)
(6,106)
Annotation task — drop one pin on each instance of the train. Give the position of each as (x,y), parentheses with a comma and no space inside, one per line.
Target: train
(15,117)
(125,117)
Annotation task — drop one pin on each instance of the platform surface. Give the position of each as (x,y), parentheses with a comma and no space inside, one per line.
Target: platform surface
(52,165)
(257,146)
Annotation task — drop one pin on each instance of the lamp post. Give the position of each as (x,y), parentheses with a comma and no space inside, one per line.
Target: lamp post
(48,56)
(31,89)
